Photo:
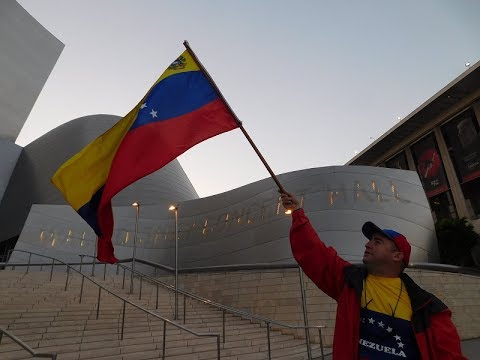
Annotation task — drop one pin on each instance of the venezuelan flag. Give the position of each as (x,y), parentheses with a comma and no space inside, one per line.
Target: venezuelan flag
(181,110)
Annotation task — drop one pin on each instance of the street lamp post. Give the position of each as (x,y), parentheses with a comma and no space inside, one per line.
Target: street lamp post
(175,209)
(136,205)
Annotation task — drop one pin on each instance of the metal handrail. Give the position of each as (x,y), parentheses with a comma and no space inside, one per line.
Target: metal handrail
(20,342)
(445,268)
(267,321)
(125,301)
(223,307)
(265,266)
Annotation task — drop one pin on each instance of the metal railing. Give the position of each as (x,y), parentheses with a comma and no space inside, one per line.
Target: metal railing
(267,321)
(225,309)
(125,301)
(20,342)
(264,266)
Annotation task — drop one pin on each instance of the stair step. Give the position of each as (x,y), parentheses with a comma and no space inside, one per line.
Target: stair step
(50,319)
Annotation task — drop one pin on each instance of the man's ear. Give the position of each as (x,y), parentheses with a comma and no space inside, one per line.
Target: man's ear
(398,256)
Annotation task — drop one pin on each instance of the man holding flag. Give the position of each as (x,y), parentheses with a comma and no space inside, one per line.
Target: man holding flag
(381,312)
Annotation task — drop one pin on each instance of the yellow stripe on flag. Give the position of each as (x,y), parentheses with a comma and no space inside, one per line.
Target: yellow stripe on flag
(184,63)
(80,177)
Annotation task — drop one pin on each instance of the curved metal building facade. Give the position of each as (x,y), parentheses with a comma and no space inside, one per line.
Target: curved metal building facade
(247,225)
(30,181)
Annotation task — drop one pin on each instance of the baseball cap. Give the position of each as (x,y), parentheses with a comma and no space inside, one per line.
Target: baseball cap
(369,228)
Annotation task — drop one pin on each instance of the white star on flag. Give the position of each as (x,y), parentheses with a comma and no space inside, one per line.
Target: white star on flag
(381,324)
(389,329)
(144,105)
(153,113)
(398,338)
(400,344)
(371,321)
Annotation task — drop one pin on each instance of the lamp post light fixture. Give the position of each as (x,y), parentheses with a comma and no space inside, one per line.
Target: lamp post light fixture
(136,205)
(175,209)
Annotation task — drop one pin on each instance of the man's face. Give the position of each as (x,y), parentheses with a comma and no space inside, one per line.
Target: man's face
(380,250)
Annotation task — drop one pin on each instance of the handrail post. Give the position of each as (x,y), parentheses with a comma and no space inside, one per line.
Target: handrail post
(81,262)
(305,314)
(223,326)
(98,302)
(68,274)
(123,282)
(81,289)
(184,308)
(104,271)
(118,267)
(29,259)
(268,337)
(132,276)
(218,347)
(51,270)
(123,318)
(140,290)
(93,266)
(156,301)
(321,342)
(164,338)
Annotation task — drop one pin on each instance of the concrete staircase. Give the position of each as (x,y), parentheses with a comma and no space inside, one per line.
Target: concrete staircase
(50,319)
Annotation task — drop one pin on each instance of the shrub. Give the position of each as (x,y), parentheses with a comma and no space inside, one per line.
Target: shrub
(456,238)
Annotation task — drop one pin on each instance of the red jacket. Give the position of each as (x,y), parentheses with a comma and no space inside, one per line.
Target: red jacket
(436,336)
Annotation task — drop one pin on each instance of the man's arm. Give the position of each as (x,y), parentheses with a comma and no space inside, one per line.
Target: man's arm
(319,262)
(446,342)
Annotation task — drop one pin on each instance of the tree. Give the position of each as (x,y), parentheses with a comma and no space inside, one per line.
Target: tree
(456,238)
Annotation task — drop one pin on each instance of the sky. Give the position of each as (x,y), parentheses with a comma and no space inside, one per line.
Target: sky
(313,82)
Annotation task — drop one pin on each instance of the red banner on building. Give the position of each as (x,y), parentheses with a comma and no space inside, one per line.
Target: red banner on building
(430,166)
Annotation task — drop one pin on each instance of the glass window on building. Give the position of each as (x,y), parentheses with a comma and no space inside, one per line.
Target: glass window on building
(399,161)
(462,136)
(430,169)
(442,206)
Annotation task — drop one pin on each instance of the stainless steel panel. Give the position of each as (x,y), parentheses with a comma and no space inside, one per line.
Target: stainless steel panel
(247,225)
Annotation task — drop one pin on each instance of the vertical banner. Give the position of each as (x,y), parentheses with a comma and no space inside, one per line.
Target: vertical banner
(463,138)
(430,166)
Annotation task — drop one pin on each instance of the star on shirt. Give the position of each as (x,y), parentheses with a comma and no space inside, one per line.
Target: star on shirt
(381,324)
(398,338)
(153,113)
(144,105)
(371,321)
(389,329)
(400,345)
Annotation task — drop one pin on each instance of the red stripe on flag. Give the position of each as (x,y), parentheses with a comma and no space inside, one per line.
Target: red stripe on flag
(152,146)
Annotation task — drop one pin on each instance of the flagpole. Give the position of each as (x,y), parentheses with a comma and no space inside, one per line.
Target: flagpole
(249,139)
